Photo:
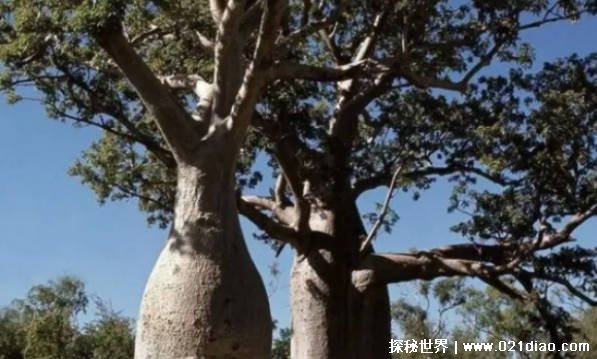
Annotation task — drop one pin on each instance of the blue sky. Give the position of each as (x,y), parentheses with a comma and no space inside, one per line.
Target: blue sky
(52,225)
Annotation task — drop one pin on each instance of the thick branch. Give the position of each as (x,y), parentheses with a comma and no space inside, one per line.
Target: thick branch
(267,224)
(384,268)
(280,190)
(229,63)
(283,214)
(483,261)
(286,148)
(178,128)
(506,289)
(251,19)
(216,8)
(255,79)
(195,83)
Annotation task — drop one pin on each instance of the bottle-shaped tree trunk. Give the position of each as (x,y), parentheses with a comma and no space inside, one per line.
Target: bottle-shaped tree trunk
(204,298)
(331,318)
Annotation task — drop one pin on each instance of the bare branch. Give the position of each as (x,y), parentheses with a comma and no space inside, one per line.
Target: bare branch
(153,30)
(383,212)
(133,135)
(577,220)
(381,269)
(205,43)
(217,8)
(484,61)
(274,229)
(285,147)
(384,268)
(367,46)
(280,190)
(195,83)
(383,178)
(261,203)
(425,82)
(283,213)
(566,284)
(508,290)
(332,46)
(542,22)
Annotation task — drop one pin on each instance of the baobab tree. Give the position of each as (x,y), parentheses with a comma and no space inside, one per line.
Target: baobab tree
(343,97)
(90,62)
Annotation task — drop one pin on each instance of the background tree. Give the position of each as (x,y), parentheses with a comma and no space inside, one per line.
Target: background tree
(356,101)
(281,344)
(45,324)
(452,310)
(587,332)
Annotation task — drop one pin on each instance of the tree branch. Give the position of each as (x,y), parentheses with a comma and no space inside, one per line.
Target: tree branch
(383,212)
(332,46)
(195,83)
(255,79)
(283,214)
(178,128)
(153,30)
(482,261)
(217,8)
(273,229)
(566,284)
(295,71)
(205,43)
(229,64)
(133,135)
(383,178)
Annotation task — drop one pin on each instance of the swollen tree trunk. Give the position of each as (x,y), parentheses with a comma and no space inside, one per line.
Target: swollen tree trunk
(330,317)
(330,320)
(204,298)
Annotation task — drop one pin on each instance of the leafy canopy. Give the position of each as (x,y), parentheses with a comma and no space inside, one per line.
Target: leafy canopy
(45,325)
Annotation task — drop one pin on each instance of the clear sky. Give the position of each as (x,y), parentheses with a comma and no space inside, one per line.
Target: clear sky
(51,225)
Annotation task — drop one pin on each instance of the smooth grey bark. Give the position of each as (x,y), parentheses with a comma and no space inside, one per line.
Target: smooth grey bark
(204,297)
(330,317)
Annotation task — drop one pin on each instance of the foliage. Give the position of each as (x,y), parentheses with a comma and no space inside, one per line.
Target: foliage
(44,325)
(356,90)
(452,310)
(281,344)
(587,332)
(45,44)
